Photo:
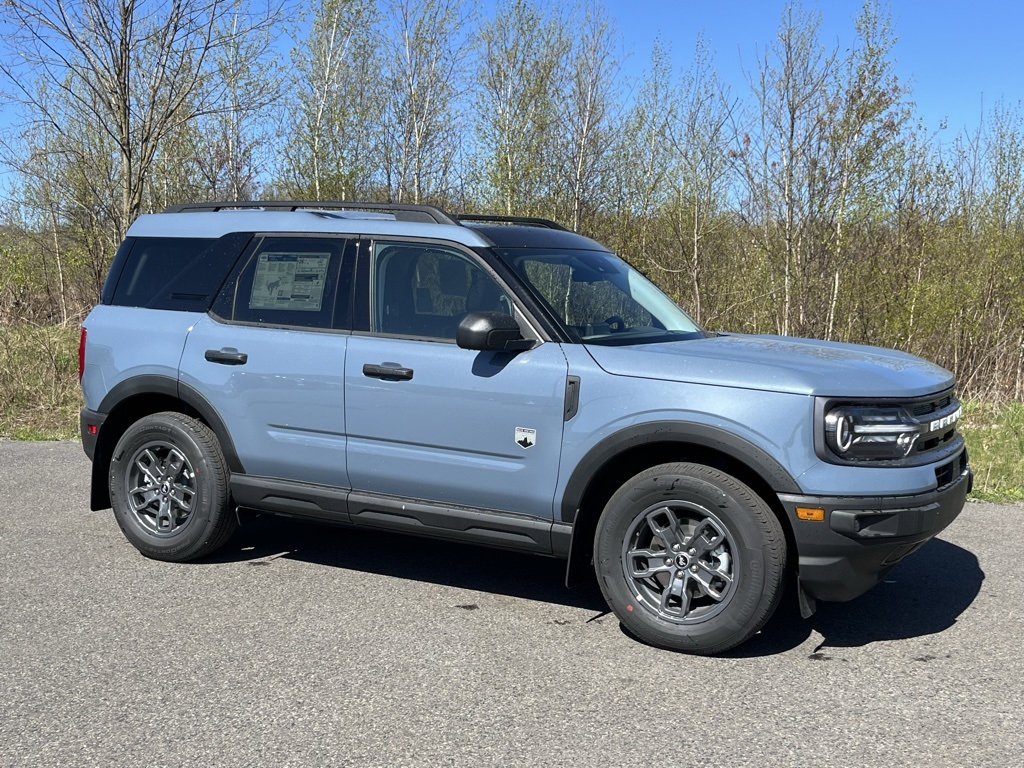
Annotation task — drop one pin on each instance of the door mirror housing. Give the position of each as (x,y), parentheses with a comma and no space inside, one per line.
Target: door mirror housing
(490,332)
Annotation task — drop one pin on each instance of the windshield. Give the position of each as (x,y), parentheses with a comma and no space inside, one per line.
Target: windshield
(600,298)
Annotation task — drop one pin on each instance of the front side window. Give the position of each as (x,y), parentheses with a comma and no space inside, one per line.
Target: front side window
(601,299)
(423,290)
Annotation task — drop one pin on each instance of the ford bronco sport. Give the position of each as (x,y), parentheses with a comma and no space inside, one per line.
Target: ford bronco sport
(507,382)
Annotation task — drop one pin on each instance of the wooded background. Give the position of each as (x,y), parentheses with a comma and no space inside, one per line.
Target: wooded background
(811,202)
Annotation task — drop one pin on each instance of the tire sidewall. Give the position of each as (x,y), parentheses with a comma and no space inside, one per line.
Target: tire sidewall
(208,497)
(713,491)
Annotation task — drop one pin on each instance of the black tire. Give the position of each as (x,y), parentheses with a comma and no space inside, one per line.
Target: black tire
(689,558)
(169,488)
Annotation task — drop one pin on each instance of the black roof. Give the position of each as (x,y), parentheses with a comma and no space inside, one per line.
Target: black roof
(511,236)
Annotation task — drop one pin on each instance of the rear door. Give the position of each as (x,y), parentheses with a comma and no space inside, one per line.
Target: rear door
(270,358)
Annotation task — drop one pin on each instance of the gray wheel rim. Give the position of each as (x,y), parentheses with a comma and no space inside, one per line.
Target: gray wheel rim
(680,562)
(161,490)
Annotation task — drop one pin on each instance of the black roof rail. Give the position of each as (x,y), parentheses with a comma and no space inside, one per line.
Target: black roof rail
(401,211)
(529,221)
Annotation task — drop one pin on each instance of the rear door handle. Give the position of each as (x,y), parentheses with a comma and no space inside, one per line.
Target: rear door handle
(387,371)
(226,356)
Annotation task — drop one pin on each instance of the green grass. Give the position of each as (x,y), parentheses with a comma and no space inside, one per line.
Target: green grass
(995,442)
(40,398)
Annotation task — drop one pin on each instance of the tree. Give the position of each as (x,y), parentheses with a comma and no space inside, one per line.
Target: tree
(698,131)
(132,71)
(424,66)
(588,109)
(522,60)
(333,148)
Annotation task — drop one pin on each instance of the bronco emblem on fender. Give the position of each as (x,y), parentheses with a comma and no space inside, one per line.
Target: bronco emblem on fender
(526,437)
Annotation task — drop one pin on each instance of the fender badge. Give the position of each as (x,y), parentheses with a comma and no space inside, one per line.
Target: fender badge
(526,437)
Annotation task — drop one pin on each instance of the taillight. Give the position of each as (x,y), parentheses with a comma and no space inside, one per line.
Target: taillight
(81,355)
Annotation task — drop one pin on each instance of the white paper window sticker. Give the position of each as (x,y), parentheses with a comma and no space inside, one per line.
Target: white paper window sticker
(291,281)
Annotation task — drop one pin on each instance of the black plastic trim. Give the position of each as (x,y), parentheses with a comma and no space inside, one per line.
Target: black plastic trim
(572,397)
(561,539)
(864,537)
(291,499)
(527,221)
(138,385)
(505,530)
(89,441)
(150,384)
(770,470)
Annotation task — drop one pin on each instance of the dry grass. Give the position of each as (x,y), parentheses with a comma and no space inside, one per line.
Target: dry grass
(39,393)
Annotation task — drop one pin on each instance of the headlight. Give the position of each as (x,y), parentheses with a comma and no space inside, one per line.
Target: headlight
(867,432)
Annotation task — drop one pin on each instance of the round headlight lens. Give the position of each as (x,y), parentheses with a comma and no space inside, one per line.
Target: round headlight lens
(844,432)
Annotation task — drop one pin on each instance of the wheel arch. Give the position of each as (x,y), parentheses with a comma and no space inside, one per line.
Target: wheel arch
(137,398)
(617,458)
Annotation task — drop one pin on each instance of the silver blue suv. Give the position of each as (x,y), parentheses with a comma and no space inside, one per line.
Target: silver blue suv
(506,382)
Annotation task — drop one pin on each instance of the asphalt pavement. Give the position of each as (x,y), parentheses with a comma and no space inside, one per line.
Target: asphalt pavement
(307,645)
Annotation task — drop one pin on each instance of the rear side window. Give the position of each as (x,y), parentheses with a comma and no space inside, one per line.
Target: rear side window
(291,282)
(152,265)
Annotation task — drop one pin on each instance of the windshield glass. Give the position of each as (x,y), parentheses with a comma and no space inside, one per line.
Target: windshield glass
(600,298)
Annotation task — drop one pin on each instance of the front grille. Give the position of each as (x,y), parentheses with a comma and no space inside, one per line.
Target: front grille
(931,406)
(929,411)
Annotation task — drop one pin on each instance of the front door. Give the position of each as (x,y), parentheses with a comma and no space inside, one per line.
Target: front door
(429,421)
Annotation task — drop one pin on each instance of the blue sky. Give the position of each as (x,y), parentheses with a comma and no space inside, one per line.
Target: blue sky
(954,55)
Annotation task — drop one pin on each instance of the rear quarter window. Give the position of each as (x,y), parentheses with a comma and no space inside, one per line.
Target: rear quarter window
(152,264)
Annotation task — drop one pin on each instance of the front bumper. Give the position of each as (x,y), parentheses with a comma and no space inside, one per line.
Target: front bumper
(863,538)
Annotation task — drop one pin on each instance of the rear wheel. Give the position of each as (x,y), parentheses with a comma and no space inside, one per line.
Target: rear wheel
(169,488)
(689,558)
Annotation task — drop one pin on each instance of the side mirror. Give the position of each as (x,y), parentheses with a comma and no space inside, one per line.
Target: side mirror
(490,332)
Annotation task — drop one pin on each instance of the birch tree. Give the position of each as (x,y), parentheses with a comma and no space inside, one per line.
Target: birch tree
(425,66)
(333,149)
(522,61)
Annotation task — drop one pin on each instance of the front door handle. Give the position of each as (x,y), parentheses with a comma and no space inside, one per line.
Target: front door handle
(388,372)
(226,356)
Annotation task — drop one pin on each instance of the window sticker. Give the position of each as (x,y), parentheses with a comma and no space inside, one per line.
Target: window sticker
(292,281)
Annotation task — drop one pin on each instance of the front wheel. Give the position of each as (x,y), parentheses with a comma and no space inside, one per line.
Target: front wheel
(689,558)
(169,488)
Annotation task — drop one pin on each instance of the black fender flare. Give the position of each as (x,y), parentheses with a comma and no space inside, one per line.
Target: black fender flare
(716,439)
(140,387)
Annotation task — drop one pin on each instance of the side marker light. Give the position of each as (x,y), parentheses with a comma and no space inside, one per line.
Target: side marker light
(813,514)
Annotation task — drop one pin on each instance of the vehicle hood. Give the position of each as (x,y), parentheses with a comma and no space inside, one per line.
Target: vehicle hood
(779,364)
